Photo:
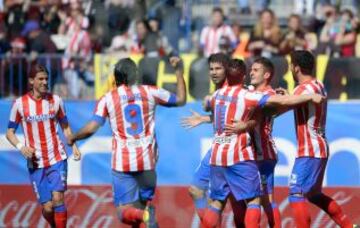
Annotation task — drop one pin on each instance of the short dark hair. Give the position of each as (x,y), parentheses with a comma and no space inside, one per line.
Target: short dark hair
(218,10)
(125,72)
(37,68)
(238,65)
(236,72)
(267,64)
(303,59)
(221,58)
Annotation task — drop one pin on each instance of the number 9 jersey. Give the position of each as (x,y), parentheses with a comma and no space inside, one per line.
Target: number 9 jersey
(131,110)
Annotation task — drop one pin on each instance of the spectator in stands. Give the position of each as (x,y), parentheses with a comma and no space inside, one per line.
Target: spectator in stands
(4,43)
(141,30)
(16,16)
(210,35)
(294,38)
(170,23)
(39,42)
(77,73)
(155,43)
(266,36)
(51,20)
(15,66)
(338,36)
(69,23)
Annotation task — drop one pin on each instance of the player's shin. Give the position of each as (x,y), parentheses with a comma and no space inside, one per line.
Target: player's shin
(200,200)
(332,209)
(300,211)
(60,215)
(253,215)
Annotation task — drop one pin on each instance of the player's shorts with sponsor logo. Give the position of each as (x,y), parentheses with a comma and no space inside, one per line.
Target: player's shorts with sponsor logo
(129,187)
(307,175)
(49,179)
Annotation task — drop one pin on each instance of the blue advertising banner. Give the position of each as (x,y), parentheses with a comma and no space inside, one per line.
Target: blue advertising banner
(181,150)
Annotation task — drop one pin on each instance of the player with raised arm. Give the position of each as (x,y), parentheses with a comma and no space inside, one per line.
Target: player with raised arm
(313,150)
(130,109)
(39,112)
(200,183)
(233,159)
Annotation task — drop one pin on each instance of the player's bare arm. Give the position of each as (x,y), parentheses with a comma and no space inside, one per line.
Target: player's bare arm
(237,127)
(293,100)
(68,133)
(26,151)
(194,120)
(88,130)
(180,83)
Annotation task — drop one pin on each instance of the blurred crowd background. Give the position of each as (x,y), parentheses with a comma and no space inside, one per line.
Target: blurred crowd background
(65,35)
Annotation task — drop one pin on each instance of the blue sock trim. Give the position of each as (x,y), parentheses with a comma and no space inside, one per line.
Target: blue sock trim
(274,205)
(294,199)
(216,210)
(60,208)
(253,206)
(201,203)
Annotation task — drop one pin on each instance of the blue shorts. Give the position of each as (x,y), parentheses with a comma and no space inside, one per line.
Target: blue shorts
(241,179)
(130,187)
(307,176)
(266,169)
(201,178)
(49,179)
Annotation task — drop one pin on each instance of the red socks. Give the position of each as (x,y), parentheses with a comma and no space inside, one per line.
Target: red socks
(329,205)
(300,211)
(211,218)
(60,216)
(60,219)
(131,215)
(273,215)
(252,216)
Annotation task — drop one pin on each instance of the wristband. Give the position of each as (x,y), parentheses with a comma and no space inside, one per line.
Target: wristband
(19,146)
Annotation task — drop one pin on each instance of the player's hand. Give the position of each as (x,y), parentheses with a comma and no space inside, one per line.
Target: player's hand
(281,91)
(176,63)
(191,121)
(76,153)
(235,127)
(317,98)
(28,152)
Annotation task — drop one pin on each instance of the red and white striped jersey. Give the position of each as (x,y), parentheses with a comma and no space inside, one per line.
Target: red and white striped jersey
(131,111)
(233,103)
(310,120)
(262,134)
(210,37)
(39,120)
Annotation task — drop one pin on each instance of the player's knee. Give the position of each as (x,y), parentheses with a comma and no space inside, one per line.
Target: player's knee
(57,198)
(120,211)
(48,207)
(255,201)
(195,192)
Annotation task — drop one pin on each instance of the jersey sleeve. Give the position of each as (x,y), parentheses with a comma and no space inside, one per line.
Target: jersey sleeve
(301,90)
(15,116)
(163,97)
(101,111)
(256,99)
(61,114)
(209,101)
